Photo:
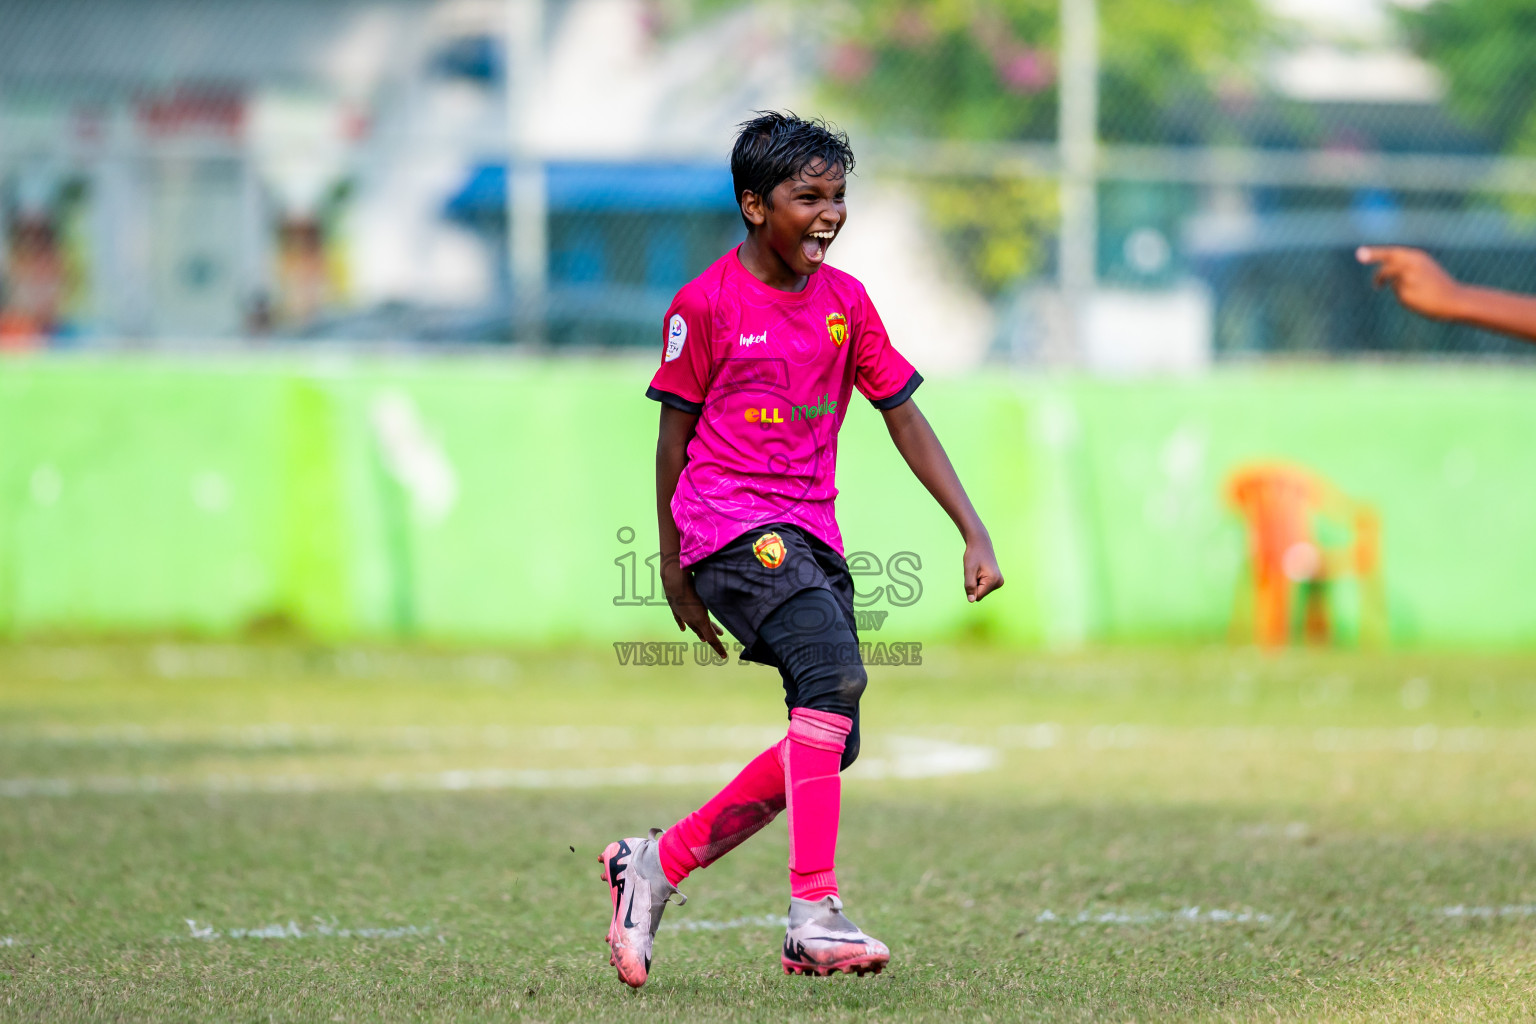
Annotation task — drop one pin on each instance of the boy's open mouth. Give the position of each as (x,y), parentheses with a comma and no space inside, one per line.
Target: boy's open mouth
(814,245)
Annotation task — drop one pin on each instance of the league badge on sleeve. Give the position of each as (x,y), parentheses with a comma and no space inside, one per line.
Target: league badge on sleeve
(677,333)
(837,328)
(769,549)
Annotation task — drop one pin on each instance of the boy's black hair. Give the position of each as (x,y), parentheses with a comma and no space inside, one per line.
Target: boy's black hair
(772,148)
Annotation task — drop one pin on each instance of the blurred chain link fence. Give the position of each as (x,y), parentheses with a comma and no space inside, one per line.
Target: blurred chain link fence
(1138,184)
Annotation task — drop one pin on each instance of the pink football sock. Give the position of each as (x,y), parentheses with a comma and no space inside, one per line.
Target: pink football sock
(812,757)
(748,802)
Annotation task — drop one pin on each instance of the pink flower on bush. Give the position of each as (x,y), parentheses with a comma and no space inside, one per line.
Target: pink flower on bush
(849,62)
(912,28)
(1024,70)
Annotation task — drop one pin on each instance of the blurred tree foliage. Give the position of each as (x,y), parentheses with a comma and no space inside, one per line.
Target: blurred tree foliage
(1486,49)
(976,70)
(986,70)
(997,228)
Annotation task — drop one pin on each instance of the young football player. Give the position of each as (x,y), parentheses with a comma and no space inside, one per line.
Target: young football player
(761,354)
(1423,286)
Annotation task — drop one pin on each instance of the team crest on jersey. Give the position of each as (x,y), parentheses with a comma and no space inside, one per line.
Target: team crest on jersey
(837,328)
(769,549)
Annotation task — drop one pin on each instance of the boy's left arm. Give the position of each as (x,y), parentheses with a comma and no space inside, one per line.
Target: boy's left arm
(920,446)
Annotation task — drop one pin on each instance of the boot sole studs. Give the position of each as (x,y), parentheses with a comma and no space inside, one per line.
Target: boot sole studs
(823,972)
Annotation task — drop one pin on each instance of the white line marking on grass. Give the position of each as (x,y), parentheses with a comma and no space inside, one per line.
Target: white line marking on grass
(766,921)
(319,929)
(1117,737)
(1191,914)
(1507,910)
(912,757)
(1416,739)
(1265,830)
(1036,736)
(562,778)
(68,787)
(10,940)
(1040,736)
(214,661)
(283,736)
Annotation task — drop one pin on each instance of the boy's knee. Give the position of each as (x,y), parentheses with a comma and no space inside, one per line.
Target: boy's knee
(840,691)
(851,683)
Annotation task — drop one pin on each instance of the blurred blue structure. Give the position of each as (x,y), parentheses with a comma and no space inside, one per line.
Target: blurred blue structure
(623,237)
(630,187)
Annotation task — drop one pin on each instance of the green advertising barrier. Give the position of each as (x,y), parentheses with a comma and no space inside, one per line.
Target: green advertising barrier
(511,501)
(141,498)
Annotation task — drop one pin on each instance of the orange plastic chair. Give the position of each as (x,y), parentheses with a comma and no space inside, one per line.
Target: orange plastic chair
(18,333)
(1281,505)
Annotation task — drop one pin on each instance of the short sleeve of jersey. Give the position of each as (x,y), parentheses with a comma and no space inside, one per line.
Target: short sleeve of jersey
(685,355)
(883,377)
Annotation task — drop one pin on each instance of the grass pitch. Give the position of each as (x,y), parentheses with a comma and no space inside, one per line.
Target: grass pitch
(225,833)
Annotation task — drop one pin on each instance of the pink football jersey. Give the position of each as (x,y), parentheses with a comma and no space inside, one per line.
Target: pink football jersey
(769,374)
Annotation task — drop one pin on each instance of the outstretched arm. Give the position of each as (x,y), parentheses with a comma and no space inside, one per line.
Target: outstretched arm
(672,439)
(1423,286)
(918,444)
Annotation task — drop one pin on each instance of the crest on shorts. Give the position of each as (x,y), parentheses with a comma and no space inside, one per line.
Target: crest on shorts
(769,549)
(837,328)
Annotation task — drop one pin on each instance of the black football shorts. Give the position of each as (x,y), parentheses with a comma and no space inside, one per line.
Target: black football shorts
(745,581)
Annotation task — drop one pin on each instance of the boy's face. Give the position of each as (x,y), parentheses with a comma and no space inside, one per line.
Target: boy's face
(808,211)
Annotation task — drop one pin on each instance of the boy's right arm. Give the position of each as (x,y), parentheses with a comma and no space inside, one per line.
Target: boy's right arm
(676,430)
(1423,286)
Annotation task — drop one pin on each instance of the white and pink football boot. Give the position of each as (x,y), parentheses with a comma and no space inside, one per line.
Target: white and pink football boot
(821,940)
(640,892)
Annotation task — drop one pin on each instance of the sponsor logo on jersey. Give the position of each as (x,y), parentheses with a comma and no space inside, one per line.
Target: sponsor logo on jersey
(677,334)
(826,406)
(769,549)
(767,415)
(837,328)
(752,339)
